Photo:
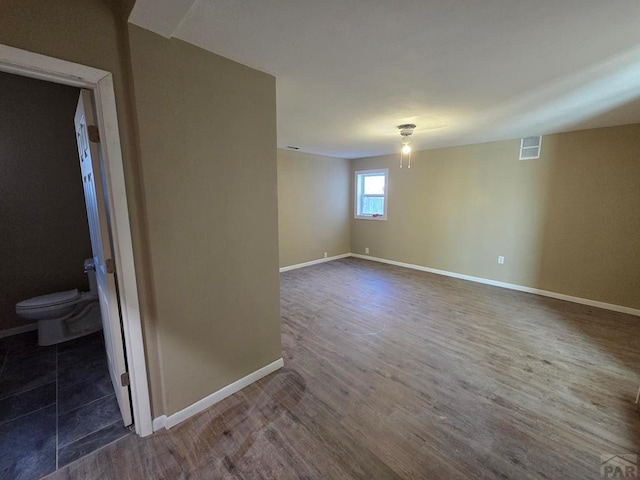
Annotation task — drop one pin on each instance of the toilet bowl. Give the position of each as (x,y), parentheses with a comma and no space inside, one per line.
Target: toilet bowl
(64,315)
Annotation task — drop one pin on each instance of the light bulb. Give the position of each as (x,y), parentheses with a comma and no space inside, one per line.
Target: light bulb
(406,149)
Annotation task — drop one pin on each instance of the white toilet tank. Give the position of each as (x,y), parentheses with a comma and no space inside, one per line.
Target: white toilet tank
(90,270)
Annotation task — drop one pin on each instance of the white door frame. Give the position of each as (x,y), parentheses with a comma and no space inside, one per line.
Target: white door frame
(34,65)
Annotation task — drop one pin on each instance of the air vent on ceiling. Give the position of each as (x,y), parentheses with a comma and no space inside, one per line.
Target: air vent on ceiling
(530,148)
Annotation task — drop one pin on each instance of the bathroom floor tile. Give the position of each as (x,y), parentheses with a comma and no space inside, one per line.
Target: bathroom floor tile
(3,357)
(89,342)
(55,400)
(74,369)
(91,442)
(4,347)
(5,341)
(76,392)
(27,402)
(30,338)
(26,372)
(80,356)
(82,421)
(27,344)
(28,445)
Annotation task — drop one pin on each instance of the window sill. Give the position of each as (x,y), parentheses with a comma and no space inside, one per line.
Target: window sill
(363,217)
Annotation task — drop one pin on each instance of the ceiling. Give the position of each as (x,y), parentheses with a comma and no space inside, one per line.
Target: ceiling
(464,71)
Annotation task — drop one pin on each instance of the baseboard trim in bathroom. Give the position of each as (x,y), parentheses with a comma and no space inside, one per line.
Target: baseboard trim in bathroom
(10,332)
(164,421)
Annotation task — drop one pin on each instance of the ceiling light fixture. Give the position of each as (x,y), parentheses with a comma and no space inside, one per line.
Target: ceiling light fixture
(406,130)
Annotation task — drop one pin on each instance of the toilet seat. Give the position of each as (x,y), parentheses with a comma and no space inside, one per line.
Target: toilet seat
(54,305)
(58,299)
(63,316)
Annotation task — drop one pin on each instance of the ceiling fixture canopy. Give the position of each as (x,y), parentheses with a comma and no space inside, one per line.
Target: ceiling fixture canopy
(406,130)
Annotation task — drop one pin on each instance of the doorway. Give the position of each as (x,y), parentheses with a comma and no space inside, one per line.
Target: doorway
(99,83)
(57,400)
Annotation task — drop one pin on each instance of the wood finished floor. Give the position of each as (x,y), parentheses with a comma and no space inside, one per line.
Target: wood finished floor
(392,373)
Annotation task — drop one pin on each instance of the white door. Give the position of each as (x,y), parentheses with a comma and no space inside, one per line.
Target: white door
(87,138)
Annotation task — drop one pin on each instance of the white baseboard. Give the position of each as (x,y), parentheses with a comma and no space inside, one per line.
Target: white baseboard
(313,262)
(159,423)
(510,286)
(486,281)
(9,332)
(165,421)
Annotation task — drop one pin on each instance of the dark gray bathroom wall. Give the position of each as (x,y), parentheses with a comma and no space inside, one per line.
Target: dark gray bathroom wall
(44,235)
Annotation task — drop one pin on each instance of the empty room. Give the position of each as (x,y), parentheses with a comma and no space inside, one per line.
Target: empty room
(321,240)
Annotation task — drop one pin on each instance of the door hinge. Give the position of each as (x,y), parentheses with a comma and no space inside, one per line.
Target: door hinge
(124,379)
(111,268)
(94,133)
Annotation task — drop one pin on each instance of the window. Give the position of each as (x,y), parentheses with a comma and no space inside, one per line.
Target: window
(371,194)
(530,148)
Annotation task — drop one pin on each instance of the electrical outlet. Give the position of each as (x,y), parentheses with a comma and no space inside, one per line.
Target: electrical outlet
(366,249)
(325,254)
(501,260)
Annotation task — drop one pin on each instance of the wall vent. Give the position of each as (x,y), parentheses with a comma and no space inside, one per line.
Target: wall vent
(530,148)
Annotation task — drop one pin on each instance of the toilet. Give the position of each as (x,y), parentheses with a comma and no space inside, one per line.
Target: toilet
(65,315)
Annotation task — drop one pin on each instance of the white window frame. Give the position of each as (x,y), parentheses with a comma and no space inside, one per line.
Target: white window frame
(524,150)
(359,175)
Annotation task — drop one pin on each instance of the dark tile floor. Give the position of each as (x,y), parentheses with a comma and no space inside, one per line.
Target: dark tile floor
(56,404)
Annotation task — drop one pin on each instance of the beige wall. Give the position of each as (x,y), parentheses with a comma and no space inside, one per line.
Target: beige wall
(208,142)
(568,222)
(313,206)
(45,235)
